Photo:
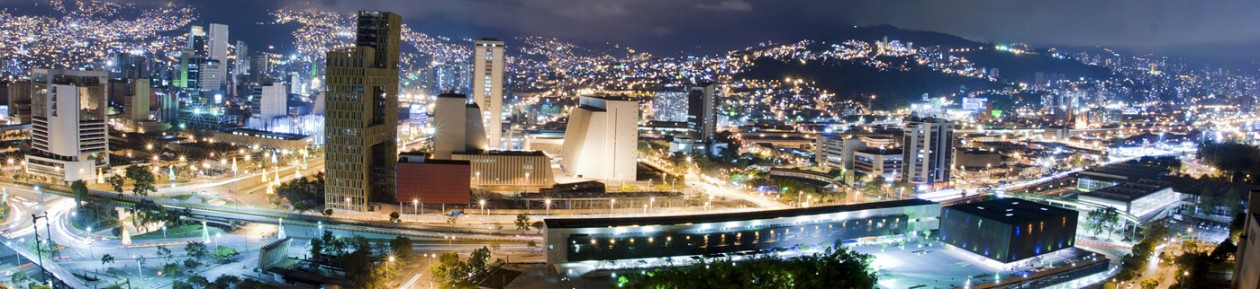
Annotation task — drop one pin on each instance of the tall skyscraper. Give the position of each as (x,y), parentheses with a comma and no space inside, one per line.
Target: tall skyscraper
(487,87)
(137,99)
(928,152)
(242,60)
(601,139)
(190,59)
(69,136)
(362,115)
(217,49)
(701,113)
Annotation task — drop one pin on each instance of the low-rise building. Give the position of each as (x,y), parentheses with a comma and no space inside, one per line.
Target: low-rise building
(1008,230)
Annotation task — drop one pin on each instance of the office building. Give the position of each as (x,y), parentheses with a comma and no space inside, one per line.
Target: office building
(433,181)
(242,61)
(701,113)
(1008,230)
(927,153)
(362,115)
(873,163)
(137,100)
(130,66)
(69,134)
(669,106)
(268,102)
(217,51)
(457,126)
(487,87)
(601,140)
(20,94)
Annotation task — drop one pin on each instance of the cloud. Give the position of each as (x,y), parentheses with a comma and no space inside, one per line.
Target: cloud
(726,5)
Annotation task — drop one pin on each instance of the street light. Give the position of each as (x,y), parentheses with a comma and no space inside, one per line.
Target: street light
(612,205)
(482,202)
(547,201)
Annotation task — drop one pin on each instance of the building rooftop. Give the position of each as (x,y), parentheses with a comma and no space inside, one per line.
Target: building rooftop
(726,217)
(879,151)
(1129,191)
(1130,171)
(262,133)
(1013,210)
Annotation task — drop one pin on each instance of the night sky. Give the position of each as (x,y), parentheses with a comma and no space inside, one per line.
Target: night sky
(1211,30)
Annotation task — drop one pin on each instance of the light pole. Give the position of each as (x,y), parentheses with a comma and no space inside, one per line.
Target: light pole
(651,202)
(164,233)
(612,204)
(482,202)
(415,207)
(547,201)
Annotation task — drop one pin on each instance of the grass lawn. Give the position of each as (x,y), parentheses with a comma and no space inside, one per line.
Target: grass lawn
(185,231)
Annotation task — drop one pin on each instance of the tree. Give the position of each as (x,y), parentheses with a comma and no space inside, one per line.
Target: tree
(837,267)
(450,271)
(172,269)
(328,213)
(196,250)
(479,261)
(402,247)
(522,222)
(181,285)
(304,194)
(106,259)
(1150,283)
(1207,203)
(116,181)
(538,225)
(191,263)
(142,179)
(224,253)
(226,281)
(164,253)
(531,244)
(81,191)
(394,217)
(317,250)
(198,280)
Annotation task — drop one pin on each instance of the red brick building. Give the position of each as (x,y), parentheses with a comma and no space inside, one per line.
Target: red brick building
(433,181)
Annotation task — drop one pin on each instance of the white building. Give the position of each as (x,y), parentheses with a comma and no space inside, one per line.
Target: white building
(601,140)
(457,126)
(69,135)
(269,102)
(217,49)
(487,87)
(928,153)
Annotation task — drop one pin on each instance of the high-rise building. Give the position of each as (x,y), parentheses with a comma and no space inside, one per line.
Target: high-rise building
(268,102)
(137,99)
(601,140)
(928,152)
(362,115)
(259,67)
(487,87)
(130,66)
(190,59)
(701,114)
(20,94)
(242,60)
(69,135)
(457,125)
(669,106)
(216,49)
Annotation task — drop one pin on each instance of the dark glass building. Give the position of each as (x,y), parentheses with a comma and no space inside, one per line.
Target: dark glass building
(1008,230)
